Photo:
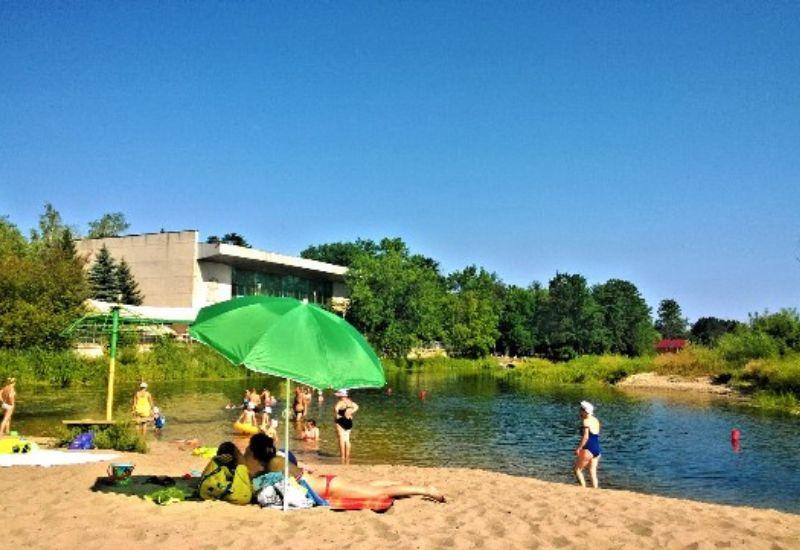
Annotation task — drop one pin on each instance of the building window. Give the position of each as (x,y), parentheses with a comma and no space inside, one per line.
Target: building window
(249,283)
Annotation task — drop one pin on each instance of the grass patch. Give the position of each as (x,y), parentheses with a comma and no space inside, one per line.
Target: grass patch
(166,361)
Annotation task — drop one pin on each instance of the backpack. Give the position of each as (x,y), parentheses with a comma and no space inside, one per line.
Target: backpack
(218,482)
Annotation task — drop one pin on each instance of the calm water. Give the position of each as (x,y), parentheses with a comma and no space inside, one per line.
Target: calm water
(650,444)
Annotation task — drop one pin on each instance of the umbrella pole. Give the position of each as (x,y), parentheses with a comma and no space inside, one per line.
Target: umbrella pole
(286,445)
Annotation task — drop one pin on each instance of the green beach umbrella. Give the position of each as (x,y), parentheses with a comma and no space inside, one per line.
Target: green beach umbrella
(291,339)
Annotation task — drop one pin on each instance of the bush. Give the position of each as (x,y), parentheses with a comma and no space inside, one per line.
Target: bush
(778,376)
(118,437)
(693,361)
(167,361)
(745,345)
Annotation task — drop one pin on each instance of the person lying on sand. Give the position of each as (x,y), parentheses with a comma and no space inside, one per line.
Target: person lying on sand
(261,456)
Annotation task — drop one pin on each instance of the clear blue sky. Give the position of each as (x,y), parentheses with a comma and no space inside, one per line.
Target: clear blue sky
(656,142)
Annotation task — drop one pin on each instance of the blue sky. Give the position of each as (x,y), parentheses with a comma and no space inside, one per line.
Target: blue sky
(658,143)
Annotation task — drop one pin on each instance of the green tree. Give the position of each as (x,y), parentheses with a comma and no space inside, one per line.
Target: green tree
(127,285)
(112,224)
(473,311)
(12,242)
(394,301)
(103,279)
(229,238)
(51,227)
(572,320)
(625,317)
(42,286)
(708,330)
(783,327)
(670,322)
(518,324)
(340,253)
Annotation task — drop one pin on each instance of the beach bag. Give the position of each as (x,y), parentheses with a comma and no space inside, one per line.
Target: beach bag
(272,496)
(218,482)
(83,441)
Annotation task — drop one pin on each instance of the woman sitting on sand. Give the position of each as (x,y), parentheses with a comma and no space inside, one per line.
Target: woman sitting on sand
(588,450)
(261,456)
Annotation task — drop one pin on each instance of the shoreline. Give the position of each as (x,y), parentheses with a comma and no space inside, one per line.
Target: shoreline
(484,509)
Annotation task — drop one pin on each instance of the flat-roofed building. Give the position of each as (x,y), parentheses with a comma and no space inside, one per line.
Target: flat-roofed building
(173,269)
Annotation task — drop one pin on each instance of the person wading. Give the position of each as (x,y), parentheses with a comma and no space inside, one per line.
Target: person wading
(8,400)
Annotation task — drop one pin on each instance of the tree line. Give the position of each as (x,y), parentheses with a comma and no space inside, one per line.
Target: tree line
(43,281)
(401,301)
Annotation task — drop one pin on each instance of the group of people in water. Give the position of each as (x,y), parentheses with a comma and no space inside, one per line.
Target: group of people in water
(587,453)
(257,410)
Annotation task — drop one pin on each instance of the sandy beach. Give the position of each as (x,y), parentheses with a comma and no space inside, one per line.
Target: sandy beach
(57,508)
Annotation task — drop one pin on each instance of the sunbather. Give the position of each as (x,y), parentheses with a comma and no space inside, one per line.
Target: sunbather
(261,453)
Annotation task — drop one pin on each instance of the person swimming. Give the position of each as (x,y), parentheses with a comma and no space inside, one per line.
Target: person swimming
(588,451)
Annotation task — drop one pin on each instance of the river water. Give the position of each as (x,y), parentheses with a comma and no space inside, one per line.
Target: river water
(675,445)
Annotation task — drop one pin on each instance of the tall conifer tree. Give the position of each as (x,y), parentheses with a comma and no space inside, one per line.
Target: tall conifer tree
(103,278)
(127,285)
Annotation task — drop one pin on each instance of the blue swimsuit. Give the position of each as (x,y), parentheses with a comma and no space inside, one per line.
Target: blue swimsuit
(593,444)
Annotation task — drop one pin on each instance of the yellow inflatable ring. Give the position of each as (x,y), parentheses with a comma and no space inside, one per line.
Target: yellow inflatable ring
(247,429)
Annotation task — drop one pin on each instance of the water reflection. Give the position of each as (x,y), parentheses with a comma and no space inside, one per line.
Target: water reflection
(674,445)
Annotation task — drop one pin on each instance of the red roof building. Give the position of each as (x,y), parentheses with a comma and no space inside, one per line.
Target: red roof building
(671,345)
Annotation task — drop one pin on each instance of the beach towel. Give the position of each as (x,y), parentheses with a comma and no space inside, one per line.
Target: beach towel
(376,504)
(47,458)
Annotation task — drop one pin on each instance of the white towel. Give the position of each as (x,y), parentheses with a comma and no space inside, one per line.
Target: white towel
(47,458)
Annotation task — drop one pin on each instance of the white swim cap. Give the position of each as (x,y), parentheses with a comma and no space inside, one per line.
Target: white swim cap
(341,393)
(143,385)
(588,407)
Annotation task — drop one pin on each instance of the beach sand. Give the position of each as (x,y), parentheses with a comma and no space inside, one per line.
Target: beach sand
(56,508)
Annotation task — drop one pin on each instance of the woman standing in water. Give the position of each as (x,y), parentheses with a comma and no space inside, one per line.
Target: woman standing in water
(8,400)
(588,450)
(299,405)
(343,413)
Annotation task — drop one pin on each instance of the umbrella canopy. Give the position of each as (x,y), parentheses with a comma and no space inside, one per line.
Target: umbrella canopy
(291,339)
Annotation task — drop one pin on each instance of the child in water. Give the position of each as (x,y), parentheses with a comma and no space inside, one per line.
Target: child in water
(248,416)
(311,433)
(159,420)
(271,429)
